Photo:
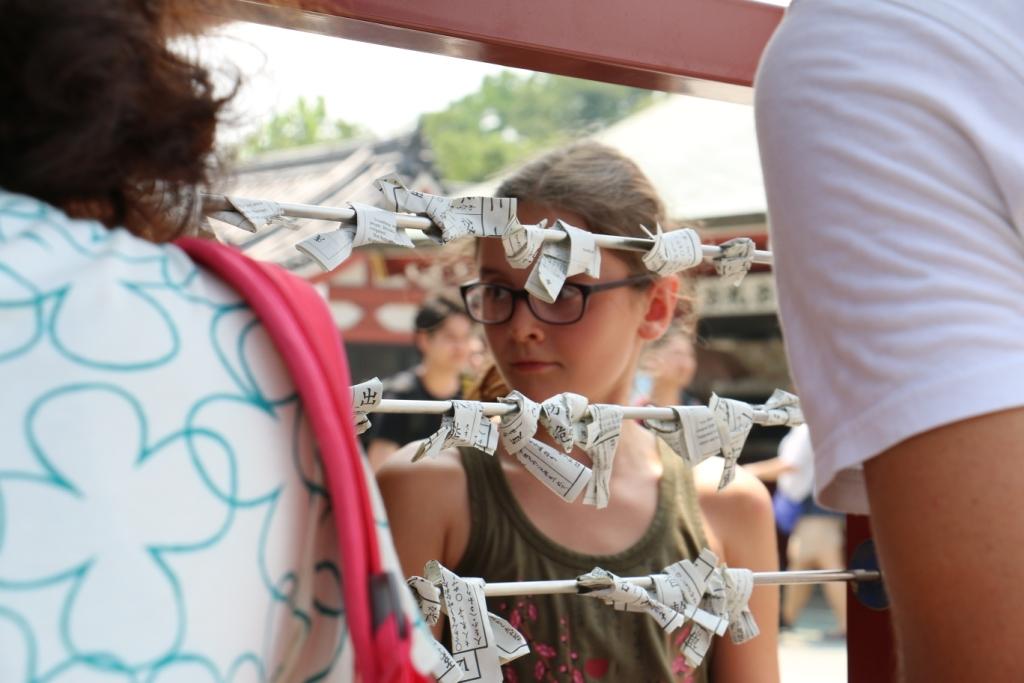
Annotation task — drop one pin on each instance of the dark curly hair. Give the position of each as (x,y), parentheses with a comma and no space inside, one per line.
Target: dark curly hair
(99,117)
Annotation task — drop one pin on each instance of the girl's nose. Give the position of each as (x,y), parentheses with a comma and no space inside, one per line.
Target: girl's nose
(523,325)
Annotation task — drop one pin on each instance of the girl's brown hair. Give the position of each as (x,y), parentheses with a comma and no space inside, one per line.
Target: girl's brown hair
(609,191)
(597,182)
(99,117)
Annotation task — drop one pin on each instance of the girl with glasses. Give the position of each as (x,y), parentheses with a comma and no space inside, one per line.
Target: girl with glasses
(488,517)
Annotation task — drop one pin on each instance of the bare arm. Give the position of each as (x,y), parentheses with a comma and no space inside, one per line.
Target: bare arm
(770,469)
(379,451)
(428,510)
(945,511)
(741,517)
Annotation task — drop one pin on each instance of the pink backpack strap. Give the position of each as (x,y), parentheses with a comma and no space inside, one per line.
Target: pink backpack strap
(301,328)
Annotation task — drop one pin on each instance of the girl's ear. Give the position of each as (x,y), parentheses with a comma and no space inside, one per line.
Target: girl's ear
(661,307)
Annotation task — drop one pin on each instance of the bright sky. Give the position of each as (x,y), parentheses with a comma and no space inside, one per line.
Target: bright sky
(280,65)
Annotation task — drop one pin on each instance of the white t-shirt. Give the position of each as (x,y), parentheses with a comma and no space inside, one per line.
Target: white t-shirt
(162,514)
(795,450)
(893,154)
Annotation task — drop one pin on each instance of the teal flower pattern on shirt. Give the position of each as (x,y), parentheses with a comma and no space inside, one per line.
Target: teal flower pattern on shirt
(162,511)
(114,581)
(121,276)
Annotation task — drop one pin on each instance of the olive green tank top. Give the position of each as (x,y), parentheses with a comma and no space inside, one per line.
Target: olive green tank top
(573,638)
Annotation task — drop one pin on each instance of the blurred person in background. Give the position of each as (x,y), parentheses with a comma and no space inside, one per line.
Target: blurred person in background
(479,361)
(444,338)
(815,535)
(667,368)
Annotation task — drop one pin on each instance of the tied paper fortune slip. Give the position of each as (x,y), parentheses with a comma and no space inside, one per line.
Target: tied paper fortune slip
(735,260)
(693,435)
(522,243)
(681,586)
(627,596)
(373,226)
(563,475)
(561,415)
(685,584)
(250,215)
(690,578)
(559,261)
(481,641)
(466,426)
(677,596)
(365,397)
(782,409)
(734,420)
(452,217)
(663,602)
(727,594)
(673,251)
(603,427)
(739,584)
(519,426)
(428,597)
(712,599)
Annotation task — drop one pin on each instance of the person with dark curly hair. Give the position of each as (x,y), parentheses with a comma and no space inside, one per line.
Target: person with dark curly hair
(100,119)
(162,512)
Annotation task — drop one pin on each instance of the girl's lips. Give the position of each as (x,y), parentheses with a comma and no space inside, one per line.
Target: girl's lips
(531,366)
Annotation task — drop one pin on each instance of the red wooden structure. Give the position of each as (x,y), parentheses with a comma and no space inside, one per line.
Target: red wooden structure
(708,48)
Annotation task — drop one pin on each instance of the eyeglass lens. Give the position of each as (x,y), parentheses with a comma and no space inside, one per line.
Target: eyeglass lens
(490,304)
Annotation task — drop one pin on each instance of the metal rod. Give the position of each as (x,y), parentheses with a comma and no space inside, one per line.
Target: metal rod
(644,244)
(391,405)
(512,588)
(219,202)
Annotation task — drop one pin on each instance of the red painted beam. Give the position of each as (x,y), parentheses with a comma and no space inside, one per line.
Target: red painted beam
(870,648)
(702,47)
(369,299)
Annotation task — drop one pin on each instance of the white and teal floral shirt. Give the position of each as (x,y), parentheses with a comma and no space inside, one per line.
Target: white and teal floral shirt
(162,516)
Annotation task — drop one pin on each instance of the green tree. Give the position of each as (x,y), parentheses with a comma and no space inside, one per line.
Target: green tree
(512,117)
(303,123)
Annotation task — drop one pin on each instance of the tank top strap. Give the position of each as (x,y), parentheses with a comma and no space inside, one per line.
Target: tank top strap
(687,505)
(489,527)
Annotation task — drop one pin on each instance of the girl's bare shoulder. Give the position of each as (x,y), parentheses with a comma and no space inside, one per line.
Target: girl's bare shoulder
(427,505)
(739,507)
(437,479)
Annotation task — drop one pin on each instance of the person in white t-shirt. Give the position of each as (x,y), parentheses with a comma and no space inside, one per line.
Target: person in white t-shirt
(894,168)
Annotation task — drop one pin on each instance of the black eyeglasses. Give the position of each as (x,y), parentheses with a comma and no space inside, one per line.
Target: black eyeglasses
(491,304)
